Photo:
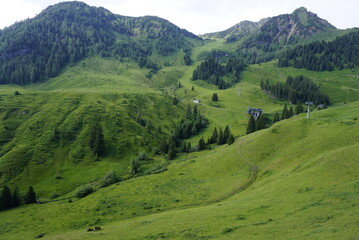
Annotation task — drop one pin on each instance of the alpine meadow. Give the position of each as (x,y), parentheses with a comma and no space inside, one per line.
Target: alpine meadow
(117,127)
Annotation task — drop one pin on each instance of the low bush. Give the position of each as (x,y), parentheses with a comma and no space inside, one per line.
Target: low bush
(84,191)
(109,179)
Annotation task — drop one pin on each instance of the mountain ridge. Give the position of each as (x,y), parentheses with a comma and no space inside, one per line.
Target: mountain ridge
(299,15)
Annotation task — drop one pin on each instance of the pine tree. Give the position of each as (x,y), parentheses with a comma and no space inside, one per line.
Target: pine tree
(220,139)
(16,200)
(215,97)
(192,88)
(251,127)
(285,113)
(214,136)
(299,108)
(5,198)
(201,144)
(291,111)
(30,196)
(226,134)
(230,139)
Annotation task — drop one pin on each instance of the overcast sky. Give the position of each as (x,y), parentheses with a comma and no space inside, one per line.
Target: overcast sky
(198,16)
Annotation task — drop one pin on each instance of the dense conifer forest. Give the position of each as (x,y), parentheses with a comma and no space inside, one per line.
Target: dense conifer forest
(341,53)
(296,89)
(213,72)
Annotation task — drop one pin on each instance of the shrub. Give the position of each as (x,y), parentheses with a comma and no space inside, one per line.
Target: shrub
(109,179)
(84,191)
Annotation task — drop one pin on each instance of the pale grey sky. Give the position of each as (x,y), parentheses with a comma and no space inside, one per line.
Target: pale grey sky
(198,16)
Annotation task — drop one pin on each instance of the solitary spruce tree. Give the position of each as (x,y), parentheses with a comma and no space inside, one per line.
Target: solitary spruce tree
(215,97)
(30,196)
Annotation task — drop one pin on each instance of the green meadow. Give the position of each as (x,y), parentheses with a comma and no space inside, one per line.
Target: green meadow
(296,179)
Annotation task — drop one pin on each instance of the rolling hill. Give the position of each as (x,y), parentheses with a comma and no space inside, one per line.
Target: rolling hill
(117,110)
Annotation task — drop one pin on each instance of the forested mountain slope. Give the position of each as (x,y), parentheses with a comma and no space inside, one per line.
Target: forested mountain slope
(341,53)
(36,49)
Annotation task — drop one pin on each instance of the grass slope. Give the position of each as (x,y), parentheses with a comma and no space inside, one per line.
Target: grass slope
(47,134)
(294,180)
(307,187)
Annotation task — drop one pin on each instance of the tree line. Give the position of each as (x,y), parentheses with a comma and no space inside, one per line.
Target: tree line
(261,123)
(341,53)
(11,198)
(221,75)
(296,89)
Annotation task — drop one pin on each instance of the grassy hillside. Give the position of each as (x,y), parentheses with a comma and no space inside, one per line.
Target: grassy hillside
(306,188)
(45,136)
(294,180)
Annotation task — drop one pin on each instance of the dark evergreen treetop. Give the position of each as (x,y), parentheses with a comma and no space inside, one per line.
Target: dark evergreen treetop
(36,49)
(30,196)
(341,53)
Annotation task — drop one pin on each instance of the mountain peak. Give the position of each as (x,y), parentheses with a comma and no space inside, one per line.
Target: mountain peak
(301,9)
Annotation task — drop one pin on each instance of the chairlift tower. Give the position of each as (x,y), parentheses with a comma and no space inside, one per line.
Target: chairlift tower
(308,111)
(255,112)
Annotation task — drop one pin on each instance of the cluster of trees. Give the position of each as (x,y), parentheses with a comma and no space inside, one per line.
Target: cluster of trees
(296,89)
(218,137)
(260,123)
(36,49)
(255,125)
(190,125)
(221,137)
(341,53)
(11,198)
(288,113)
(212,71)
